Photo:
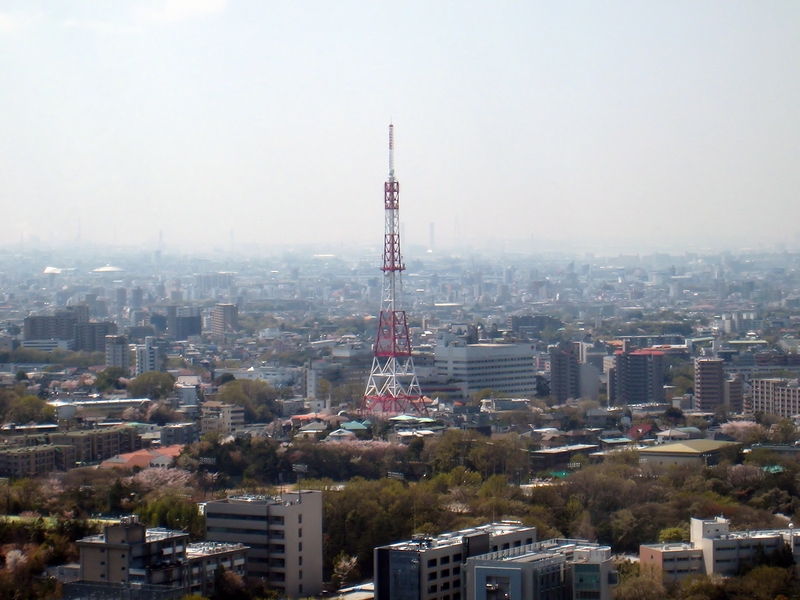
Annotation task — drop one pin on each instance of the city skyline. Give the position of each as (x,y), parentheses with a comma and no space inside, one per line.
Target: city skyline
(579,126)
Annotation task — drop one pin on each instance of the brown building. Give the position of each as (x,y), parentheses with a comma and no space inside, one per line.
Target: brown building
(709,383)
(131,553)
(284,535)
(96,445)
(224,320)
(29,461)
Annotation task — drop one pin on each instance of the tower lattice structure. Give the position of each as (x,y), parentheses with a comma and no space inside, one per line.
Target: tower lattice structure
(392,386)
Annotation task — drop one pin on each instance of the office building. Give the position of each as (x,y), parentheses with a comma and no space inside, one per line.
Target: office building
(224,320)
(284,535)
(553,569)
(709,383)
(776,396)
(431,568)
(637,377)
(507,368)
(146,356)
(714,549)
(118,353)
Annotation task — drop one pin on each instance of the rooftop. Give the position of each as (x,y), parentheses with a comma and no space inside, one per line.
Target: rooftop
(456,537)
(209,548)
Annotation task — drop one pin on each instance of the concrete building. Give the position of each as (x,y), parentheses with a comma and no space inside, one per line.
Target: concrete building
(776,396)
(284,535)
(96,445)
(91,337)
(507,368)
(709,383)
(130,553)
(431,568)
(224,320)
(118,353)
(714,549)
(551,569)
(564,375)
(637,377)
(204,558)
(220,417)
(734,393)
(146,357)
(179,433)
(29,461)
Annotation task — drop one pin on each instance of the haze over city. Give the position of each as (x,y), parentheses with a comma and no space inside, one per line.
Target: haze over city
(519,126)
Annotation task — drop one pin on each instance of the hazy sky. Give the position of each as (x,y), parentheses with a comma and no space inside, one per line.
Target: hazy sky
(654,123)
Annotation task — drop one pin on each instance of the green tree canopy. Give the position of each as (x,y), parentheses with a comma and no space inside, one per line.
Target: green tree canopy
(153,384)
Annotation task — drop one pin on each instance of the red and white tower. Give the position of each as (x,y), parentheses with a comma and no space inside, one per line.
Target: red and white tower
(392,386)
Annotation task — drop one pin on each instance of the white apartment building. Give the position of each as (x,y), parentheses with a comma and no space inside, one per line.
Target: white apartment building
(507,368)
(220,417)
(146,356)
(284,535)
(776,396)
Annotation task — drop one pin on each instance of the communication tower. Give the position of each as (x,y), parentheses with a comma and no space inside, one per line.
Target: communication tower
(392,386)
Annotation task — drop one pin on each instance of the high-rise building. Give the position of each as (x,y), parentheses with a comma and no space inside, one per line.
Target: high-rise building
(709,383)
(91,337)
(146,356)
(638,377)
(137,297)
(117,352)
(224,320)
(564,375)
(60,326)
(284,535)
(734,393)
(122,297)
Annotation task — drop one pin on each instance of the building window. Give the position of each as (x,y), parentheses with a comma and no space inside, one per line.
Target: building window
(432,589)
(300,532)
(299,546)
(300,574)
(445,560)
(300,589)
(431,575)
(457,557)
(432,562)
(299,561)
(456,571)
(445,573)
(299,519)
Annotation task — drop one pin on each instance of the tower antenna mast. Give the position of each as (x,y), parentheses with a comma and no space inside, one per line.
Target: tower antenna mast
(392,386)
